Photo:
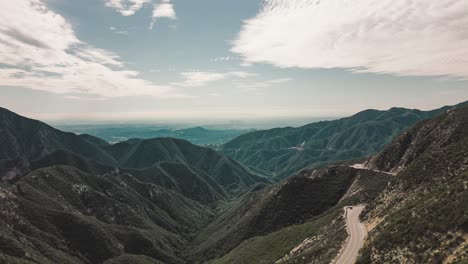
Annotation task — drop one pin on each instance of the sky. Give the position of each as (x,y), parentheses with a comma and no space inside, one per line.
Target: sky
(155,60)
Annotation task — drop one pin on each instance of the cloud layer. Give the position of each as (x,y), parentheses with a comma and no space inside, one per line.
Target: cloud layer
(165,9)
(399,37)
(127,7)
(201,78)
(39,50)
(162,9)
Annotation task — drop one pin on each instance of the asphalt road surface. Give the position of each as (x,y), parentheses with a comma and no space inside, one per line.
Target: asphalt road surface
(363,167)
(357,233)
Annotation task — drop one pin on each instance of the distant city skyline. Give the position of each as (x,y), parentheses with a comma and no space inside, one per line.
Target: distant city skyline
(218,60)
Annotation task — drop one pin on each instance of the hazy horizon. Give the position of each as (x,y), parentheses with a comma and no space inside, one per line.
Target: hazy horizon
(225,122)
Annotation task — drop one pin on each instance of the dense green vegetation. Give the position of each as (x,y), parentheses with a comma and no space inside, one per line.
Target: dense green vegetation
(274,246)
(134,259)
(29,139)
(150,153)
(426,207)
(282,152)
(293,202)
(102,202)
(199,173)
(63,215)
(425,226)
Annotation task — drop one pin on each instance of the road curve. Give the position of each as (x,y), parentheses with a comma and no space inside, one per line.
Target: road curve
(364,167)
(357,233)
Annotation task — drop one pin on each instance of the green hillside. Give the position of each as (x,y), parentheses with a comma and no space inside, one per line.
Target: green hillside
(282,152)
(25,138)
(199,173)
(228,173)
(295,205)
(426,210)
(417,216)
(62,215)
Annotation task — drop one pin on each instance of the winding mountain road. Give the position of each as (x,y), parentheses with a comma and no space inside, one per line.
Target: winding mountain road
(364,167)
(357,233)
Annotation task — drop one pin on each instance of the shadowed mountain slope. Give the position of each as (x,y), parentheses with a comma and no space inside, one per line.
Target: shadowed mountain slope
(29,139)
(62,215)
(295,202)
(225,171)
(197,172)
(416,216)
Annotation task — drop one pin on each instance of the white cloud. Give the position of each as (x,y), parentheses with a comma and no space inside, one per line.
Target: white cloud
(126,7)
(400,37)
(165,9)
(222,59)
(162,9)
(39,50)
(118,31)
(201,78)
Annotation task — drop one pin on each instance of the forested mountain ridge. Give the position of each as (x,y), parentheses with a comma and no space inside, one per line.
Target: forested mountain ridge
(199,173)
(69,198)
(282,152)
(422,217)
(25,138)
(416,214)
(62,215)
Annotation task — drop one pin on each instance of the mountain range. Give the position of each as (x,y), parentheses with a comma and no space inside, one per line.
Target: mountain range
(416,201)
(172,163)
(67,198)
(282,152)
